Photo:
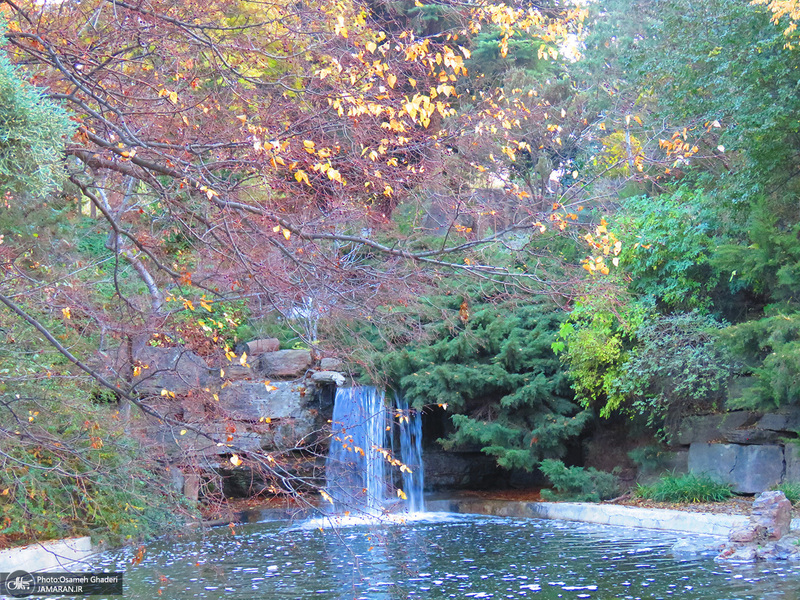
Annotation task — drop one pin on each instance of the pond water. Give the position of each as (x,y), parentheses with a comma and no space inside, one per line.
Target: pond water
(440,556)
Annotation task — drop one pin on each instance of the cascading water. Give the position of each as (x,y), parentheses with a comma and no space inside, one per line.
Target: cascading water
(410,425)
(356,470)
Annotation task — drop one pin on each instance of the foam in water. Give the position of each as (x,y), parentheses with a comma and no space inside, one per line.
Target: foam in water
(357,473)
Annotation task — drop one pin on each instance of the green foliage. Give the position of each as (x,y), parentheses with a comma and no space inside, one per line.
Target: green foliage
(498,374)
(771,345)
(594,343)
(688,487)
(790,489)
(32,130)
(669,260)
(578,484)
(676,367)
(75,471)
(650,458)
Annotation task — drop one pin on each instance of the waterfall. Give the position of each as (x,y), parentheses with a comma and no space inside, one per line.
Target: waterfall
(358,470)
(410,425)
(355,469)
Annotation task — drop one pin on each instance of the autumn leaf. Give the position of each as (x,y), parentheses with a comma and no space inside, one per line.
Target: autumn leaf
(235,460)
(66,312)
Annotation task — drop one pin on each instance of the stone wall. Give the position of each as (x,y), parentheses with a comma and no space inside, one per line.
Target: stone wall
(751,451)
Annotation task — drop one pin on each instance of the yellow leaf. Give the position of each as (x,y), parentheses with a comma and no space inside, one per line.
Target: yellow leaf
(216,397)
(412,82)
(165,392)
(173,97)
(66,313)
(287,234)
(391,80)
(402,494)
(371,46)
(326,496)
(301,176)
(276,229)
(183,432)
(235,460)
(243,359)
(5,492)
(242,118)
(335,175)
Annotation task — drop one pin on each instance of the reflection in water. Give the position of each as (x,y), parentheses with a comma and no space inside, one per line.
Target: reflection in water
(448,556)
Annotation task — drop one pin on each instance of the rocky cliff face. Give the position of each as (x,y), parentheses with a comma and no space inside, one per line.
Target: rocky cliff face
(276,401)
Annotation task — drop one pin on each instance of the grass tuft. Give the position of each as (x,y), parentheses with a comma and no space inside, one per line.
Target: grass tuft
(689,487)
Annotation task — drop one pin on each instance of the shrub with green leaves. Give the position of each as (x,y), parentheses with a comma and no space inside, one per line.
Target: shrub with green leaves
(74,470)
(578,484)
(688,487)
(676,367)
(32,130)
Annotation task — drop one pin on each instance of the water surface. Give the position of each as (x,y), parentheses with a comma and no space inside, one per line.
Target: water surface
(447,556)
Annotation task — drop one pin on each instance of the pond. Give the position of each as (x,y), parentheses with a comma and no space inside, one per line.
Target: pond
(439,556)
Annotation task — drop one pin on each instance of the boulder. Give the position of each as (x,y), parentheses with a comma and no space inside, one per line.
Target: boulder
(284,363)
(328,378)
(771,516)
(766,534)
(749,469)
(331,364)
(791,454)
(237,372)
(263,345)
(785,420)
(713,428)
(174,369)
(251,401)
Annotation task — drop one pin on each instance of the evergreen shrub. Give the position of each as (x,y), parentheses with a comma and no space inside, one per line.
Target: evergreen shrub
(578,484)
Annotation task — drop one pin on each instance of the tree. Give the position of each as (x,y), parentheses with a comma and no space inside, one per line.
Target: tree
(235,159)
(496,372)
(32,130)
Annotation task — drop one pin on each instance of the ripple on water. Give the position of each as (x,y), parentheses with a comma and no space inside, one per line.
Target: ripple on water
(448,557)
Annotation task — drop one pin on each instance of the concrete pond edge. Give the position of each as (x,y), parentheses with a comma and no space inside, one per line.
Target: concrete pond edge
(660,519)
(48,556)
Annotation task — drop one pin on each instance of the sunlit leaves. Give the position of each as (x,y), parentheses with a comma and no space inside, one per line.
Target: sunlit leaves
(607,244)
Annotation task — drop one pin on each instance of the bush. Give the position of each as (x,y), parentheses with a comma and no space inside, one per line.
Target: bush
(578,484)
(689,487)
(651,458)
(790,489)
